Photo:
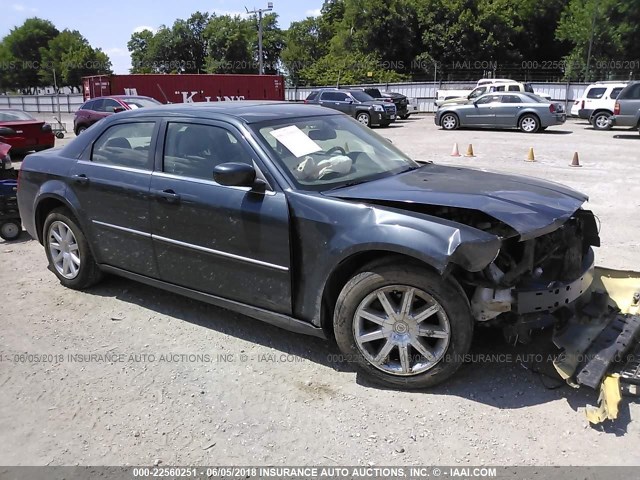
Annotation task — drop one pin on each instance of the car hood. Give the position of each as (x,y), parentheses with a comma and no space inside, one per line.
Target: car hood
(457,101)
(529,206)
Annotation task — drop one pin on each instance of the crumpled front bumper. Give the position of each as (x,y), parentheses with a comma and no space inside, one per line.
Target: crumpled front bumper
(601,342)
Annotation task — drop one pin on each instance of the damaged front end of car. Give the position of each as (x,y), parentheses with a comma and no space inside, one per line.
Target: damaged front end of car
(552,281)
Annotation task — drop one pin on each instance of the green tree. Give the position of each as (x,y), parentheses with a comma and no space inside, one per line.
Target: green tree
(71,56)
(590,26)
(22,48)
(348,69)
(230,45)
(139,45)
(304,46)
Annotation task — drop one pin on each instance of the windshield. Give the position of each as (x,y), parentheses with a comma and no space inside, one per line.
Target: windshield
(139,102)
(361,96)
(13,116)
(321,153)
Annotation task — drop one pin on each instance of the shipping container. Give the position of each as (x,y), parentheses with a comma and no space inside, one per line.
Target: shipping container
(187,88)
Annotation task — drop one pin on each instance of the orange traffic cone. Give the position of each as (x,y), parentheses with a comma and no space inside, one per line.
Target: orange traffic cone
(576,161)
(469,151)
(531,157)
(455,152)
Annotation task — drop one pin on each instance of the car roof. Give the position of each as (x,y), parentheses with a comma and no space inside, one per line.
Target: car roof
(119,97)
(249,111)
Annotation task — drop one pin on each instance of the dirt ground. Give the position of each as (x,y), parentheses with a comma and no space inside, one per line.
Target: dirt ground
(126,374)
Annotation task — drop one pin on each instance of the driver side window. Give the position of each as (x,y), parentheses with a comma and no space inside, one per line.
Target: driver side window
(194,150)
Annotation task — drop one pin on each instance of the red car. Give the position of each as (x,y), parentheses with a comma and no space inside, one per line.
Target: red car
(97,108)
(24,132)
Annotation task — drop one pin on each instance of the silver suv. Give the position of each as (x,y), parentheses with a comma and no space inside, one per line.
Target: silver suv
(626,112)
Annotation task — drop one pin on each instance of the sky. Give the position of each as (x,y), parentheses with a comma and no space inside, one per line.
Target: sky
(109,25)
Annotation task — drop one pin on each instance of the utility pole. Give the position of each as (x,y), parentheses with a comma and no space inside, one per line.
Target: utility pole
(260,11)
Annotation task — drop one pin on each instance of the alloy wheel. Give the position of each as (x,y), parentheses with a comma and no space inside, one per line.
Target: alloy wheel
(401,330)
(65,253)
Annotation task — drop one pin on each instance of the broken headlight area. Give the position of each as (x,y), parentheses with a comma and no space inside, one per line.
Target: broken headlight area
(536,276)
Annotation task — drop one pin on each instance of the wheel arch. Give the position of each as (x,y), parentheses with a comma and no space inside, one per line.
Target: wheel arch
(346,269)
(450,112)
(531,113)
(45,205)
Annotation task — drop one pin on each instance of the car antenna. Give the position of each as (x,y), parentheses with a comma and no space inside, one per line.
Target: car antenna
(163,94)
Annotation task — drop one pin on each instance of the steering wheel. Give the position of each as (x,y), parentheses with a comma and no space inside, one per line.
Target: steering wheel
(337,149)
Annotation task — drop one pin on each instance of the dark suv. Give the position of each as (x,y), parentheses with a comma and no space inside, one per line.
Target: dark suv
(361,106)
(97,108)
(400,101)
(626,112)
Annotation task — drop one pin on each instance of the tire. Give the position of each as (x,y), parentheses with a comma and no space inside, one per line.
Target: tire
(428,359)
(601,121)
(529,124)
(364,118)
(80,272)
(80,129)
(404,117)
(59,135)
(385,124)
(449,121)
(10,230)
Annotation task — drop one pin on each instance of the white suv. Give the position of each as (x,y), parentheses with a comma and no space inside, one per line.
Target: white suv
(597,103)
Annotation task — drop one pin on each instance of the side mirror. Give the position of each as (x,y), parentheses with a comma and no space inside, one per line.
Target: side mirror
(235,174)
(118,109)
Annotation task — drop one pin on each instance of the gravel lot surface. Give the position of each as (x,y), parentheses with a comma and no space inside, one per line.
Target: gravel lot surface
(126,374)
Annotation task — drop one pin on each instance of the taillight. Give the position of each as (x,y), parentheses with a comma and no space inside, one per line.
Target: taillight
(46,128)
(306,101)
(552,108)
(616,109)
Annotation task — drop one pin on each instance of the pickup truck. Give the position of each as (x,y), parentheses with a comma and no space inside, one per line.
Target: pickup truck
(465,96)
(404,106)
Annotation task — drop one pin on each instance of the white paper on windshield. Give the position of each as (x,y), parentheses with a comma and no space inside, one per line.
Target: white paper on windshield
(295,141)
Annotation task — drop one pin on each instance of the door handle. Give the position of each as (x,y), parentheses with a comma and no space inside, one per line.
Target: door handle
(168,196)
(81,178)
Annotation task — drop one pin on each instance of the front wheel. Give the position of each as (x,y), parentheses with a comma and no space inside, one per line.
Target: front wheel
(364,118)
(601,121)
(529,124)
(68,251)
(403,326)
(449,121)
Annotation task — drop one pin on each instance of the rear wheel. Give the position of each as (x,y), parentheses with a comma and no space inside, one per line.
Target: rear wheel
(68,251)
(449,121)
(403,326)
(10,230)
(601,121)
(364,118)
(529,124)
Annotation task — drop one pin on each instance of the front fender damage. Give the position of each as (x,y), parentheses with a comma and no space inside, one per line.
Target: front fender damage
(600,342)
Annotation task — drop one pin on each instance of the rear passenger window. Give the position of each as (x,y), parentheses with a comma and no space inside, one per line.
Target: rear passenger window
(125,145)
(511,99)
(514,88)
(596,93)
(615,92)
(193,150)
